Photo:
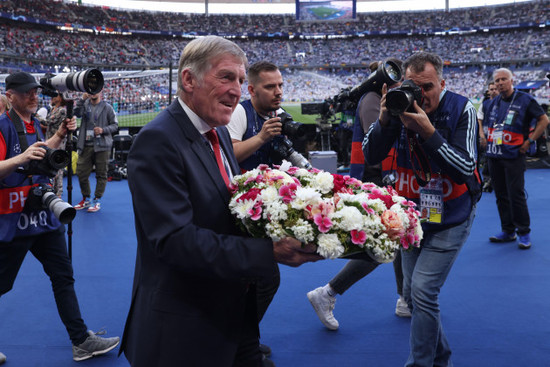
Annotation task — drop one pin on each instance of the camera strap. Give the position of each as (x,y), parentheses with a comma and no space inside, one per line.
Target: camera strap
(419,161)
(20,128)
(21,134)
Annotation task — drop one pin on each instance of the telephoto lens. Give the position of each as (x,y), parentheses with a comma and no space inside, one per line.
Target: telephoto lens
(89,81)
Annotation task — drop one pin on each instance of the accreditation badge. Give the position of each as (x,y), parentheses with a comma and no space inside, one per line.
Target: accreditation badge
(431,201)
(90,135)
(498,133)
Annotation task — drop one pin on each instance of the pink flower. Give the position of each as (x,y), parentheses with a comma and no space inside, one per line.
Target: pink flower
(324,209)
(288,192)
(255,212)
(292,170)
(392,222)
(358,237)
(368,209)
(263,167)
(323,223)
(251,194)
(378,194)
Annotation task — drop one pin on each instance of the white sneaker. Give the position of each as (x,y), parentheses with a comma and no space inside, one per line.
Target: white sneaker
(323,304)
(401,308)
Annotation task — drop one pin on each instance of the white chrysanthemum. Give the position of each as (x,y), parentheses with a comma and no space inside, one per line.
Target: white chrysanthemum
(305,196)
(241,208)
(303,231)
(348,218)
(275,211)
(269,195)
(323,181)
(329,246)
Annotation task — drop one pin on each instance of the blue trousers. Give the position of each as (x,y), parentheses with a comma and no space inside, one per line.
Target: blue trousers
(425,270)
(51,250)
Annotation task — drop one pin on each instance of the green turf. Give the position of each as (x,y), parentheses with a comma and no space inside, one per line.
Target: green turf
(295,110)
(323,12)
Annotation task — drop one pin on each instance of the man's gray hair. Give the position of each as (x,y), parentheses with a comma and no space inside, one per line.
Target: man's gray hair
(197,56)
(503,70)
(417,63)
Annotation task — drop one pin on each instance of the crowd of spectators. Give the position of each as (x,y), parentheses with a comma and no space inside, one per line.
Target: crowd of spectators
(314,68)
(417,21)
(50,44)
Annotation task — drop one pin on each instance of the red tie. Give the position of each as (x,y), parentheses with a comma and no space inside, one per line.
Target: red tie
(212,135)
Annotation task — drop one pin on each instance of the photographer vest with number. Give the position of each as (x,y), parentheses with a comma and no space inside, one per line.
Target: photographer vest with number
(16,218)
(507,125)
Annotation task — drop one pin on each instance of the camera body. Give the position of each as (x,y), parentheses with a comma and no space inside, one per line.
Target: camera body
(290,127)
(42,196)
(390,179)
(54,160)
(401,99)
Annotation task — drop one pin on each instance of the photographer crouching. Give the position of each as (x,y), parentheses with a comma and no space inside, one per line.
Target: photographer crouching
(31,216)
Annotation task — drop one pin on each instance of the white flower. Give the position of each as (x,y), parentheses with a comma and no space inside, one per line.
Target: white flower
(285,165)
(275,211)
(275,231)
(303,231)
(348,218)
(269,195)
(241,208)
(323,181)
(329,246)
(305,196)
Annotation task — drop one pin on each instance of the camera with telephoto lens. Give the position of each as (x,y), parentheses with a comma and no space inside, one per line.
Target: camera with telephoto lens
(388,72)
(53,161)
(282,146)
(402,99)
(89,81)
(42,196)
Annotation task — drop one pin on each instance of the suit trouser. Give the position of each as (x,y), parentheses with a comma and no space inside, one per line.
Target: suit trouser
(84,165)
(508,180)
(51,250)
(265,290)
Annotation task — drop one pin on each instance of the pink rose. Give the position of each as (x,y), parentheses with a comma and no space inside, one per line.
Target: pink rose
(392,222)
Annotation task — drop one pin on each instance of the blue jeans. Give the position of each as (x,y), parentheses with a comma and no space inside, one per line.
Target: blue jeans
(425,270)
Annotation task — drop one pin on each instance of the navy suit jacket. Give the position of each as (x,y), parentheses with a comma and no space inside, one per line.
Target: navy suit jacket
(192,293)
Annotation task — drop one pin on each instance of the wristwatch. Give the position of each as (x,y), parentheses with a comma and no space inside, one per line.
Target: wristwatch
(531,141)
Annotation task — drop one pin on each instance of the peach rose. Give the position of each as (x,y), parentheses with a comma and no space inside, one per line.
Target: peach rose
(393,224)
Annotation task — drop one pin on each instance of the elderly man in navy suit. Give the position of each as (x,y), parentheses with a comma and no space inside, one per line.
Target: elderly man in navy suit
(194,298)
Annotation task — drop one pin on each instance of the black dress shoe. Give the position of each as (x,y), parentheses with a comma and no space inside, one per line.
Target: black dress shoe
(265,350)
